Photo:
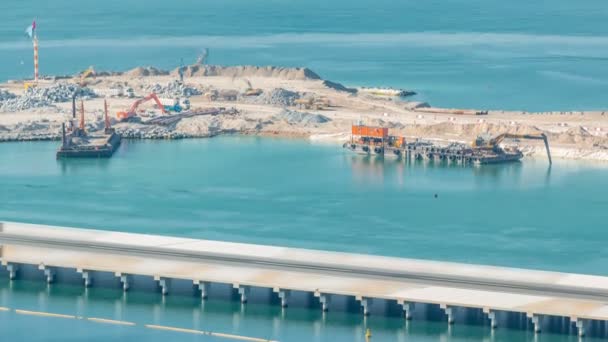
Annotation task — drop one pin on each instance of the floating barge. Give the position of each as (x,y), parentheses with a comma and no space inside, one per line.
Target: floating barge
(90,146)
(376,141)
(386,92)
(77,143)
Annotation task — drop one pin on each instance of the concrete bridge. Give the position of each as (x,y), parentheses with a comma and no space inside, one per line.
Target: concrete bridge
(416,289)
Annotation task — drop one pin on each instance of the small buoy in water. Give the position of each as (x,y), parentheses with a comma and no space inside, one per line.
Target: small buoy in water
(436,196)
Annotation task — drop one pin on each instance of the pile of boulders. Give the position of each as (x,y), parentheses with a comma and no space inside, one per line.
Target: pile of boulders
(36,97)
(5,95)
(301,118)
(147,132)
(173,89)
(276,97)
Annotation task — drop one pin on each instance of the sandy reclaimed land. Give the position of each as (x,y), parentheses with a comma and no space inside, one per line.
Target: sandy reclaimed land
(572,135)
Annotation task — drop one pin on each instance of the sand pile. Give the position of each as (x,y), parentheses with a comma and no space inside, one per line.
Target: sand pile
(579,136)
(339,87)
(146,71)
(469,130)
(249,71)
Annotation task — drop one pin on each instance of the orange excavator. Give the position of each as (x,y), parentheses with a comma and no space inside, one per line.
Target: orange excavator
(132,111)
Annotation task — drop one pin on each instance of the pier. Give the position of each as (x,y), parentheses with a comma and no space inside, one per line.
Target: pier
(376,141)
(330,281)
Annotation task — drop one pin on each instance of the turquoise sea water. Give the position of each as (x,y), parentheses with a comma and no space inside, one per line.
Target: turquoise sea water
(459,53)
(295,193)
(493,54)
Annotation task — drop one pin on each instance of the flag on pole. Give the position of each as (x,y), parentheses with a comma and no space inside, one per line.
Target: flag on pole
(31,30)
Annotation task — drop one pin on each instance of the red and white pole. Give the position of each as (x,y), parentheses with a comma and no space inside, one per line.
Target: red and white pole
(35,40)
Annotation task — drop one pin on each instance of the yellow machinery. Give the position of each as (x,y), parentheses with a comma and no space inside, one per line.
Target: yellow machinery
(313,103)
(493,143)
(28,85)
(90,72)
(250,91)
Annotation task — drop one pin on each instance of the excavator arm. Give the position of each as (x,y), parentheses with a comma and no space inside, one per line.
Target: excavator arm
(542,136)
(136,104)
(145,99)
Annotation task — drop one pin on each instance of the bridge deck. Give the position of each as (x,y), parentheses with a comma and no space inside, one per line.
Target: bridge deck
(362,276)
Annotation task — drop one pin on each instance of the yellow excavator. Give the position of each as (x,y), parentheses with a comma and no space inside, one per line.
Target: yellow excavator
(90,72)
(493,143)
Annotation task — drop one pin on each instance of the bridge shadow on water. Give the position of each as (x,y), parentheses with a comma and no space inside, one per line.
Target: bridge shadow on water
(145,304)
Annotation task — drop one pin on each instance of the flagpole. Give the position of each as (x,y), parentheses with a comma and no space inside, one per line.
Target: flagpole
(35,40)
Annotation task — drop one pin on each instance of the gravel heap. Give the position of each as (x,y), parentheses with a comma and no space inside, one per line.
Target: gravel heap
(303,118)
(43,97)
(173,89)
(5,95)
(276,97)
(149,132)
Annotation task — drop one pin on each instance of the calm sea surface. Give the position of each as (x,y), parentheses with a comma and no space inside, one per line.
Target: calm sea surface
(490,54)
(301,194)
(494,54)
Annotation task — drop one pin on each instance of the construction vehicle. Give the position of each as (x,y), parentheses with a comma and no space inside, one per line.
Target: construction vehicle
(90,72)
(175,104)
(250,91)
(493,143)
(319,103)
(123,116)
(28,85)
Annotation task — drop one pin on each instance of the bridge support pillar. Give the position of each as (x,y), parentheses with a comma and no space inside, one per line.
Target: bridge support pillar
(283,296)
(203,286)
(492,317)
(243,292)
(580,326)
(324,299)
(366,304)
(125,280)
(49,273)
(535,321)
(86,276)
(449,311)
(407,309)
(164,284)
(12,271)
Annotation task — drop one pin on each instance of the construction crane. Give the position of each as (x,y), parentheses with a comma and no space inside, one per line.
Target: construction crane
(493,143)
(132,111)
(202,58)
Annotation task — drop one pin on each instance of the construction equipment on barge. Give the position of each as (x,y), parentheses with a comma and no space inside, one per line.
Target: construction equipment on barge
(376,141)
(77,143)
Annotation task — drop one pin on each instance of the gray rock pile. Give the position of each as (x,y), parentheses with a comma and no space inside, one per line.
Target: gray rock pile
(5,95)
(276,97)
(173,89)
(43,97)
(149,132)
(302,118)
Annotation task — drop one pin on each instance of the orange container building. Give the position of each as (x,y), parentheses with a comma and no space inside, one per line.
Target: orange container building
(368,131)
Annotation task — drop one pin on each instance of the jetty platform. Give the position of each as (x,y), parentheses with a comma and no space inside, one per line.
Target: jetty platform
(330,281)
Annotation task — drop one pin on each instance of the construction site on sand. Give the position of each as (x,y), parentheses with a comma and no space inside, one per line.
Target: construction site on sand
(202,100)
